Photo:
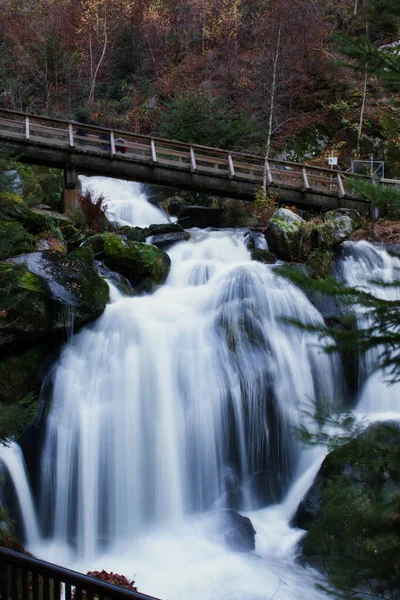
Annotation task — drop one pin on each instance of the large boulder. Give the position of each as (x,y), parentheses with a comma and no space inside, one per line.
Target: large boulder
(45,293)
(14,239)
(200,216)
(352,511)
(284,234)
(144,265)
(338,225)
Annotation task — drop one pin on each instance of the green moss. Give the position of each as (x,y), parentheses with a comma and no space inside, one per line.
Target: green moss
(263,256)
(320,262)
(14,239)
(141,263)
(357,530)
(13,209)
(83,254)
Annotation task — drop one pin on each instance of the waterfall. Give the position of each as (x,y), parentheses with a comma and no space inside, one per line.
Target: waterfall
(174,407)
(12,460)
(364,266)
(125,200)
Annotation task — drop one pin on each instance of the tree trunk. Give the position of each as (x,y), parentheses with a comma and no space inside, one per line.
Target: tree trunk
(364,98)
(272,106)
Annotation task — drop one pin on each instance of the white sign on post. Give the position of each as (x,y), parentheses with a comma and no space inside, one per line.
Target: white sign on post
(332,160)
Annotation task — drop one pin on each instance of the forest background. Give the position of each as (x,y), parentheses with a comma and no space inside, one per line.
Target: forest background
(253,75)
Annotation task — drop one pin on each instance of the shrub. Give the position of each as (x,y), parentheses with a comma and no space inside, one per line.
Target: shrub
(94,210)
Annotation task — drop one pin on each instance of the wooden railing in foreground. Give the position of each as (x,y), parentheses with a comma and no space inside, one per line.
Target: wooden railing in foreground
(25,578)
(153,151)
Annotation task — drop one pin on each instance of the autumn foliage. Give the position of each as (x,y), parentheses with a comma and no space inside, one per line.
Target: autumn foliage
(249,72)
(94,209)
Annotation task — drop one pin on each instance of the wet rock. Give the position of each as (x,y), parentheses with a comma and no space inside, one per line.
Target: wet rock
(283,234)
(164,236)
(238,531)
(264,256)
(44,293)
(200,216)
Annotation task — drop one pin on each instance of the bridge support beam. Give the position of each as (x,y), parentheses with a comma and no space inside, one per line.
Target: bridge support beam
(71,189)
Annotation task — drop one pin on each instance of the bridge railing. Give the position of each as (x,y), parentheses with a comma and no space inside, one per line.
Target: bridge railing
(23,577)
(214,162)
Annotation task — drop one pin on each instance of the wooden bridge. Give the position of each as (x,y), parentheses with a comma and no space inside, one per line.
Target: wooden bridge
(23,577)
(86,149)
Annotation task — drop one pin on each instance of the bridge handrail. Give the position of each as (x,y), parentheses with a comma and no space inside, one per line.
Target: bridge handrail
(14,577)
(187,147)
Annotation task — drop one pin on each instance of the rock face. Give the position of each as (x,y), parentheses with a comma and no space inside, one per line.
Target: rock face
(352,511)
(284,234)
(144,265)
(200,216)
(337,227)
(43,292)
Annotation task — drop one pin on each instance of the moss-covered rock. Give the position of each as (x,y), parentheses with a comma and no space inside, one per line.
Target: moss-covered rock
(14,239)
(83,254)
(134,234)
(352,511)
(12,208)
(338,225)
(142,264)
(77,238)
(68,230)
(21,379)
(284,234)
(46,293)
(264,256)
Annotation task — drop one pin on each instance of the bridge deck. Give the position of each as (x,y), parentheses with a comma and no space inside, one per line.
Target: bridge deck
(114,153)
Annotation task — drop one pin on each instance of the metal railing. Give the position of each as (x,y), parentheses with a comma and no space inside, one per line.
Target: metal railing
(155,151)
(23,577)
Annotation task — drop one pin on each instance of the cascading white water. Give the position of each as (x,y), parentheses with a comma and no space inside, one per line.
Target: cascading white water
(363,265)
(174,406)
(12,459)
(125,200)
(180,403)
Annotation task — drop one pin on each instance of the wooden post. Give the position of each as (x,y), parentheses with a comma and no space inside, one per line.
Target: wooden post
(27,132)
(231,167)
(112,139)
(153,152)
(306,185)
(192,160)
(71,189)
(341,191)
(71,135)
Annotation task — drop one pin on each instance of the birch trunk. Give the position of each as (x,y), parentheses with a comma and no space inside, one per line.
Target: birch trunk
(272,106)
